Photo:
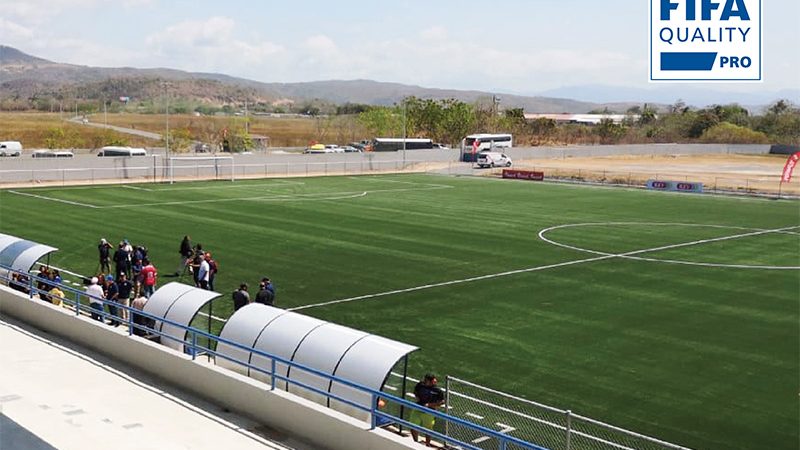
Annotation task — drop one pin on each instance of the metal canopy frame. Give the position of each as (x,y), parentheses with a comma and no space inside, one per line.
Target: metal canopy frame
(178,303)
(20,254)
(340,351)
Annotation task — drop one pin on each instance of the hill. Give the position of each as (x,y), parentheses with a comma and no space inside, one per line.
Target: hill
(29,78)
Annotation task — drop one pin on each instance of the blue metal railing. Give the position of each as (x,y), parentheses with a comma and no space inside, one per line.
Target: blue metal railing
(194,349)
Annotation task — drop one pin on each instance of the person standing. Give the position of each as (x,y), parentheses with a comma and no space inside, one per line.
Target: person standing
(203,273)
(96,294)
(112,296)
(125,288)
(213,268)
(240,297)
(140,322)
(265,296)
(186,254)
(428,396)
(104,252)
(121,259)
(149,278)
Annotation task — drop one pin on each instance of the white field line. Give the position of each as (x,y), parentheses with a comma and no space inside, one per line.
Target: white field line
(42,197)
(275,183)
(284,197)
(673,261)
(127,186)
(534,269)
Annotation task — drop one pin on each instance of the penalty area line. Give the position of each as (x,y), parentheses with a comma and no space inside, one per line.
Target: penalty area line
(42,197)
(602,257)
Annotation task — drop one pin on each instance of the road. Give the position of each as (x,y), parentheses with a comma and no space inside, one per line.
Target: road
(144,134)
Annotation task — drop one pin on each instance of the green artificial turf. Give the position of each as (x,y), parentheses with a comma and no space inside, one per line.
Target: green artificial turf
(704,356)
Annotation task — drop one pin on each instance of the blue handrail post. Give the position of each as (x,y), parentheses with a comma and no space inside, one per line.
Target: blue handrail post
(194,345)
(272,374)
(503,443)
(373,422)
(130,320)
(30,286)
(77,303)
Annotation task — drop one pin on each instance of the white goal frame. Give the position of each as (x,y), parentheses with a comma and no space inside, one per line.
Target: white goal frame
(215,159)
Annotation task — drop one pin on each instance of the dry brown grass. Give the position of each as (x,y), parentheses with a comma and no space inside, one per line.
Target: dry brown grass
(33,129)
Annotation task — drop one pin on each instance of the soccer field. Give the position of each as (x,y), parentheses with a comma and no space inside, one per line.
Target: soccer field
(676,316)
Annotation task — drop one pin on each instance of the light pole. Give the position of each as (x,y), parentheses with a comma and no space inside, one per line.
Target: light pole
(166,136)
(405,113)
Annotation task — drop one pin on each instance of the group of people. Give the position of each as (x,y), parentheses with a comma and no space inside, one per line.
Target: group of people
(264,296)
(47,284)
(130,261)
(199,262)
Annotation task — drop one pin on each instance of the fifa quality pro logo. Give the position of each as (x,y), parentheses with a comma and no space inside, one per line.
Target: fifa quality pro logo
(705,40)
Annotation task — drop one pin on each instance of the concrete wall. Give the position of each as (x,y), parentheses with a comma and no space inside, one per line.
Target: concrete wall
(293,415)
(92,169)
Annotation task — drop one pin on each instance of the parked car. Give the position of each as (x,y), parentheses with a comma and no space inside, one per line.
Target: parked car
(10,148)
(350,149)
(493,159)
(333,148)
(201,148)
(316,148)
(52,154)
(440,146)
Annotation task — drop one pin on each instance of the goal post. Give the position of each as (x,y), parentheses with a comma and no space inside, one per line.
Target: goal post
(200,168)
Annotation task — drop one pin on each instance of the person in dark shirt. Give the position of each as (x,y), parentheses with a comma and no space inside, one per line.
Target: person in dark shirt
(122,260)
(104,252)
(124,288)
(265,296)
(240,297)
(112,293)
(429,396)
(186,255)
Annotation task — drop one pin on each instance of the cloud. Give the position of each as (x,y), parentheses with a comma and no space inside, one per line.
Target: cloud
(13,31)
(434,33)
(209,44)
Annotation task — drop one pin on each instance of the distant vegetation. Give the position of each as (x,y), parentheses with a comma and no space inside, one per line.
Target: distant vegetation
(446,121)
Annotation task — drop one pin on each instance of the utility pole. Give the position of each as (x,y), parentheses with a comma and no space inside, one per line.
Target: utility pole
(105,113)
(246,120)
(405,113)
(166,96)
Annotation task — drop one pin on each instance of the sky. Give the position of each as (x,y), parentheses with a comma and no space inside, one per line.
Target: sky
(512,46)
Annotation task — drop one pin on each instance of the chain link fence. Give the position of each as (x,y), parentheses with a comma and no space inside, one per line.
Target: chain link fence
(549,427)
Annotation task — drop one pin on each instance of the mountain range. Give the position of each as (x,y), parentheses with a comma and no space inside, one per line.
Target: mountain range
(23,76)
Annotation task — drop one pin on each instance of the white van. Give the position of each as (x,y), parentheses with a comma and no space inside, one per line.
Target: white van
(493,159)
(121,151)
(10,148)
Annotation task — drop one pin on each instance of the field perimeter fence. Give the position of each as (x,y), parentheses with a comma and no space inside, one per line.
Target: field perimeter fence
(748,184)
(146,170)
(550,427)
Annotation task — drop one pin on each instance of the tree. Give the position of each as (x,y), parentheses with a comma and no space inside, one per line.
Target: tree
(728,133)
(382,121)
(609,131)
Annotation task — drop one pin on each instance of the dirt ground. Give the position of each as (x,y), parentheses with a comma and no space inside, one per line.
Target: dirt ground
(741,173)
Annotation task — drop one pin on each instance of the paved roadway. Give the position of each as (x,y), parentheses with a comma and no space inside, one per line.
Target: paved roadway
(54,394)
(144,134)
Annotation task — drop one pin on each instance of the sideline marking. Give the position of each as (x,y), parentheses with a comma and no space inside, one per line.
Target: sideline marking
(754,232)
(603,256)
(318,196)
(127,186)
(42,197)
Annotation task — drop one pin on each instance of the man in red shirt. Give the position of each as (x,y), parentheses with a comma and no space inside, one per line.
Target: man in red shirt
(149,278)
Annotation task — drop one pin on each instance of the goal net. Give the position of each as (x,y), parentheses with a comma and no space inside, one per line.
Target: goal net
(186,168)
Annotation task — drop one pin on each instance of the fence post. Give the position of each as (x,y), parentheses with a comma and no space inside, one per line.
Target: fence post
(30,286)
(130,320)
(272,378)
(447,404)
(77,303)
(569,429)
(374,419)
(194,345)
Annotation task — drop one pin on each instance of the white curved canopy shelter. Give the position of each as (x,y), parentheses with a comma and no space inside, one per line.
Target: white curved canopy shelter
(244,328)
(179,303)
(343,352)
(20,254)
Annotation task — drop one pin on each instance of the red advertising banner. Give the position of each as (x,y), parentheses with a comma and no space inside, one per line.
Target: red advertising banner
(788,169)
(523,174)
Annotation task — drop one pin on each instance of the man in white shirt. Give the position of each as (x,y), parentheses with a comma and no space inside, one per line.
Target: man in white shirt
(96,294)
(203,272)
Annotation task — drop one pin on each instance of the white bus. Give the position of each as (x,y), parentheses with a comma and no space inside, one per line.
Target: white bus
(395,144)
(111,150)
(476,143)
